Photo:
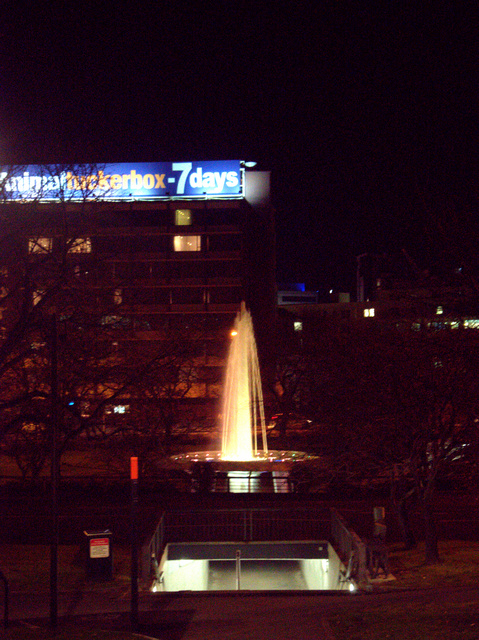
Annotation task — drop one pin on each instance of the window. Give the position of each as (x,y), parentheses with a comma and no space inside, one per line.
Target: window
(187,269)
(224,295)
(298,325)
(183,217)
(188,295)
(227,242)
(79,245)
(187,243)
(439,311)
(83,271)
(117,409)
(37,296)
(40,245)
(121,408)
(369,313)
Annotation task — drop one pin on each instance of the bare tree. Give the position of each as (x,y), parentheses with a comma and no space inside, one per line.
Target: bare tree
(402,403)
(61,307)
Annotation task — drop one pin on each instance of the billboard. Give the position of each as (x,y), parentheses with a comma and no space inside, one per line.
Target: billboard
(119,181)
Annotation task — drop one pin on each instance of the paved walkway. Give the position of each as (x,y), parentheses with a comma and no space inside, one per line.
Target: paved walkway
(211,616)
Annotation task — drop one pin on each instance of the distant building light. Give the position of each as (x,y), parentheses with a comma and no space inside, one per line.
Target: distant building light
(117,296)
(369,313)
(121,408)
(37,296)
(117,409)
(439,311)
(298,325)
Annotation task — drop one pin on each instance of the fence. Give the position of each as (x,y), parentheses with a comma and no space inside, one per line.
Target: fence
(351,550)
(241,525)
(267,524)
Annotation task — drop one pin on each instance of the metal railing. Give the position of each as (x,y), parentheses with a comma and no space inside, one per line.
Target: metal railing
(262,524)
(152,550)
(240,525)
(351,550)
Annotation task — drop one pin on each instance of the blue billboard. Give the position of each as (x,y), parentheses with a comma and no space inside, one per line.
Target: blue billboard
(131,181)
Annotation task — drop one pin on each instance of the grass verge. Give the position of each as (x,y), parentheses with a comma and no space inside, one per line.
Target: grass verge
(27,567)
(411,621)
(458,565)
(436,619)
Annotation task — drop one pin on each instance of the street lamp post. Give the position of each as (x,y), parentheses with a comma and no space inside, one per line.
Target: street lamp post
(134,542)
(54,474)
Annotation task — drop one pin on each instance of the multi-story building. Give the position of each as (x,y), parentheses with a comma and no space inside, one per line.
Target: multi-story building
(159,247)
(391,289)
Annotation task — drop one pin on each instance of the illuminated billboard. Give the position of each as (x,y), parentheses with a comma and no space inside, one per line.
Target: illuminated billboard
(120,181)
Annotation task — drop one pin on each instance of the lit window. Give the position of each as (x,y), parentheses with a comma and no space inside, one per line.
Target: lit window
(37,296)
(118,409)
(36,346)
(369,313)
(183,217)
(80,245)
(121,408)
(298,325)
(85,411)
(439,311)
(187,243)
(40,245)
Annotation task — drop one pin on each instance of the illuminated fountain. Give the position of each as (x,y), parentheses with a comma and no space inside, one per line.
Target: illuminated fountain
(243,421)
(243,408)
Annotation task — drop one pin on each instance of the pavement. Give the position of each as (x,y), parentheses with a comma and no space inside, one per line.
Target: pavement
(239,615)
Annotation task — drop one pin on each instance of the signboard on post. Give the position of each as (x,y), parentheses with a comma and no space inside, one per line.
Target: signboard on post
(99,560)
(99,548)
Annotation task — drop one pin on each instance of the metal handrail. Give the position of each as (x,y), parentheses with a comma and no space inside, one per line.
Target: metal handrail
(151,551)
(351,549)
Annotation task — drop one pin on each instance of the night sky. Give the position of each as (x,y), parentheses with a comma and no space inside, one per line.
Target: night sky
(366,112)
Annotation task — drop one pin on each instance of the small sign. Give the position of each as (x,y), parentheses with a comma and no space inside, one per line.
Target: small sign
(99,548)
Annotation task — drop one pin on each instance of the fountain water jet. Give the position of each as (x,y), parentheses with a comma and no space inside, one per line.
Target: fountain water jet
(243,413)
(243,408)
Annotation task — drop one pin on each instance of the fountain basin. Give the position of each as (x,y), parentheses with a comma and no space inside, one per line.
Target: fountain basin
(262,461)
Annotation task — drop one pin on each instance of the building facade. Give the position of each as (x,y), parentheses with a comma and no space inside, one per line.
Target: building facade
(144,256)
